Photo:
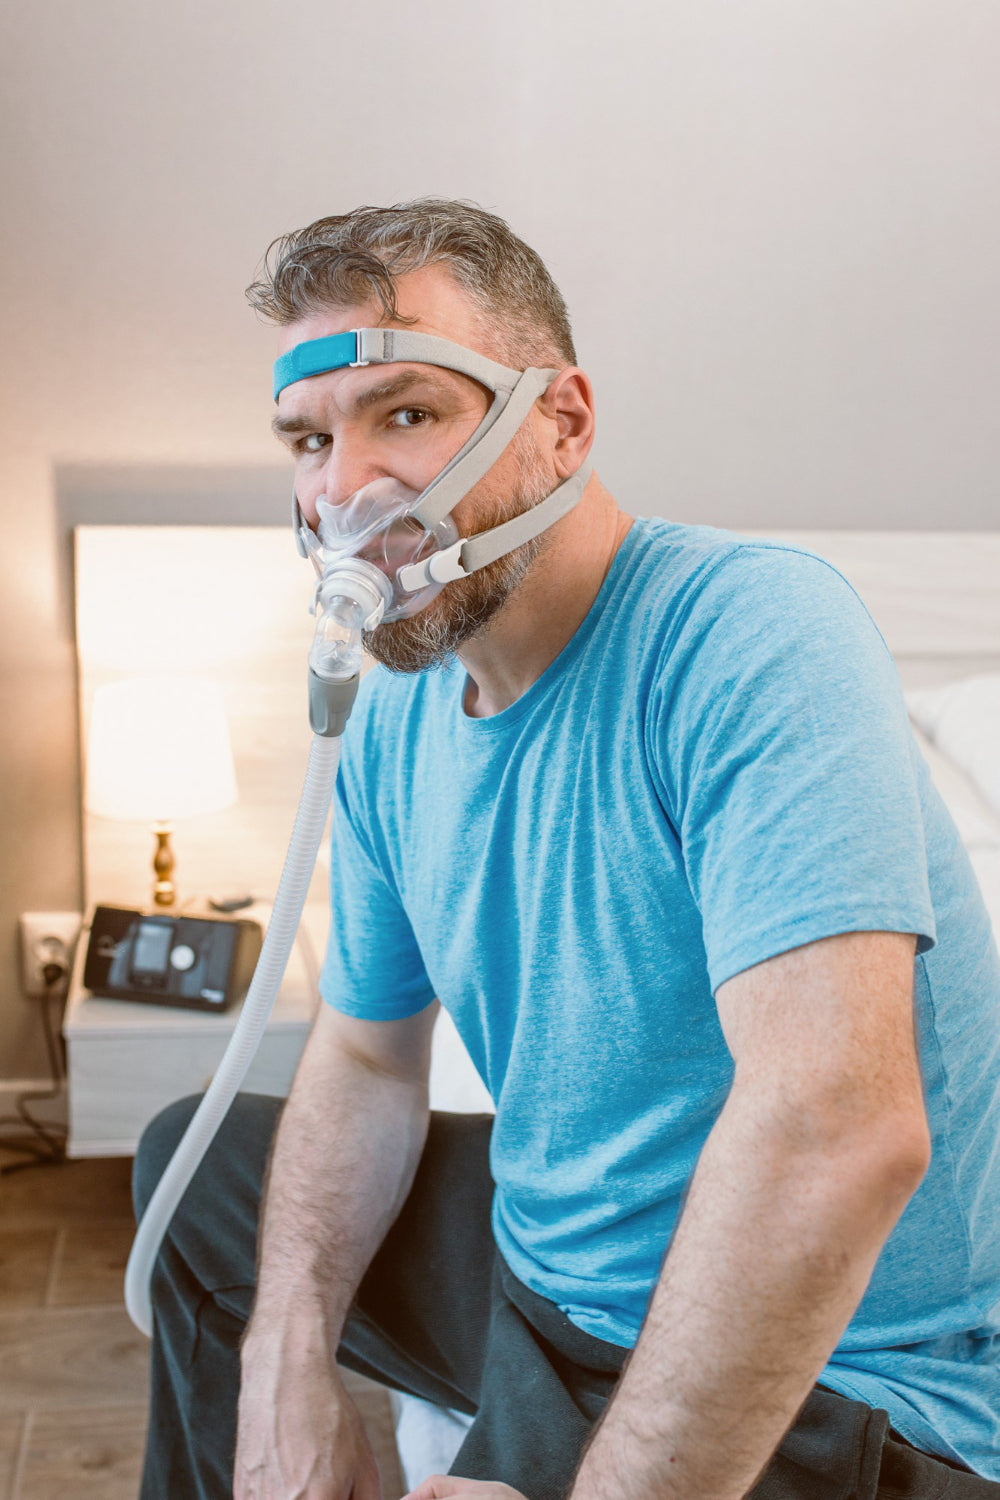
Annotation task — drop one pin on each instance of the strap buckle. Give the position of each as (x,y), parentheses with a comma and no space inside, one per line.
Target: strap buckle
(440,567)
(357,363)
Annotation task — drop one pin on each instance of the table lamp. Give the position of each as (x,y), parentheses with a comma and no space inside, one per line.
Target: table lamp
(158,751)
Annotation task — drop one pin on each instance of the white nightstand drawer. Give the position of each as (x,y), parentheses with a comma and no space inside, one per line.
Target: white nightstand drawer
(126,1060)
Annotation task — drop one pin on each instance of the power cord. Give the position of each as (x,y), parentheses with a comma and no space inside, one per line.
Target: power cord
(47,1143)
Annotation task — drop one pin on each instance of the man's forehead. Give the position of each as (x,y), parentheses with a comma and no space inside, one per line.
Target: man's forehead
(429,300)
(321,323)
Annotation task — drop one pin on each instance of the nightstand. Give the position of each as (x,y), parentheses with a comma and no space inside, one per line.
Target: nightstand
(127,1060)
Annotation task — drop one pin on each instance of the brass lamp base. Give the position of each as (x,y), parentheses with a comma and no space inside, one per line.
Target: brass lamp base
(164,890)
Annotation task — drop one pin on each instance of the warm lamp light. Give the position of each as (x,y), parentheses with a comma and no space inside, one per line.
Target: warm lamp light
(159,751)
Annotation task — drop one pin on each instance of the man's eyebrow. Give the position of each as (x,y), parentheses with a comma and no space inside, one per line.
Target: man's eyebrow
(292,424)
(398,385)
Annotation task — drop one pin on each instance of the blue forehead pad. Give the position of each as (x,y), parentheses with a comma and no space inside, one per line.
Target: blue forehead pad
(316,357)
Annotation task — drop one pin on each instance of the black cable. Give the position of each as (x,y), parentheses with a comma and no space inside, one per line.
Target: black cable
(48,1148)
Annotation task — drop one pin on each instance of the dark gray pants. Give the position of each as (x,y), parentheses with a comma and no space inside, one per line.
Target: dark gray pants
(439,1314)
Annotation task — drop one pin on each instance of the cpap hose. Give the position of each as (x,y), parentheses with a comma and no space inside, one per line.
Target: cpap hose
(345,606)
(293,886)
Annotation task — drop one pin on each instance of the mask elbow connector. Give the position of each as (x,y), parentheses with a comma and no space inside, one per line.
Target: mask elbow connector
(351,599)
(330,704)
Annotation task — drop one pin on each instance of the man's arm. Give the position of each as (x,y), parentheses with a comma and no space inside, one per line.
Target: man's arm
(822,1141)
(345,1155)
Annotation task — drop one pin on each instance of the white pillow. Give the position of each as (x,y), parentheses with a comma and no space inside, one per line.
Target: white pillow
(427,1437)
(455,1085)
(963,719)
(978,826)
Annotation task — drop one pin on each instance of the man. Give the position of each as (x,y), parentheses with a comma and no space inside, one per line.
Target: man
(638,803)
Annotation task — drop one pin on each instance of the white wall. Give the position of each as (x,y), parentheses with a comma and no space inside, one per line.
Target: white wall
(776,223)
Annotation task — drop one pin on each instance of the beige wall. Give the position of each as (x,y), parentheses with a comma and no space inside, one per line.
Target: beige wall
(776,224)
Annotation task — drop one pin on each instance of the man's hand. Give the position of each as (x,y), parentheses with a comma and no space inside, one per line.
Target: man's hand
(346,1151)
(444,1487)
(301,1438)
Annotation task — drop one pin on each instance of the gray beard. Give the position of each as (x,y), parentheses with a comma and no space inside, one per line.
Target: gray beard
(465,607)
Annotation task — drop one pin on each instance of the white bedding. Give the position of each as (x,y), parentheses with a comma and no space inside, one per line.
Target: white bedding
(957,728)
(978,825)
(963,720)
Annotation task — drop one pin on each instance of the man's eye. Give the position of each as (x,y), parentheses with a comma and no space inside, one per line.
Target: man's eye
(315,441)
(409,416)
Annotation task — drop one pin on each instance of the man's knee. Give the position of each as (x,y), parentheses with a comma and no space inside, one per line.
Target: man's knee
(236,1157)
(157,1145)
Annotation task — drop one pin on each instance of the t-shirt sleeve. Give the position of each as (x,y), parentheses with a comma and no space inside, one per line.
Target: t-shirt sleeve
(779,731)
(373,968)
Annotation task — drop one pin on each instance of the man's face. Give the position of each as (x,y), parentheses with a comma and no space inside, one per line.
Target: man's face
(406,422)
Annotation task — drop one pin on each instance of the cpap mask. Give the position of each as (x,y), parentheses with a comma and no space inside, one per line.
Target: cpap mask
(387,551)
(377,526)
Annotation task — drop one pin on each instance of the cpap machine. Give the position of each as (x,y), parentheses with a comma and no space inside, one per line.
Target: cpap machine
(381,555)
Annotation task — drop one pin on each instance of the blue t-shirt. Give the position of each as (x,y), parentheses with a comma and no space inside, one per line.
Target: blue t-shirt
(717,768)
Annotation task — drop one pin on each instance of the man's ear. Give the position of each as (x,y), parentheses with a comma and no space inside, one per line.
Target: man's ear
(569,403)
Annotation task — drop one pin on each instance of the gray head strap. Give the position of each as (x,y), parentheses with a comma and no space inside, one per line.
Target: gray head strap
(474,552)
(514,394)
(484,447)
(388,346)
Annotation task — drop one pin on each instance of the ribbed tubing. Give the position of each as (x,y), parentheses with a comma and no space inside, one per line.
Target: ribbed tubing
(293,887)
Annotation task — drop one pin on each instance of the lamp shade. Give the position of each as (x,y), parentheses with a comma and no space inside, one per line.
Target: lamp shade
(159,750)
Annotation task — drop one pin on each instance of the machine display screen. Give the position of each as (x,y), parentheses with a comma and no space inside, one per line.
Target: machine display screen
(152,948)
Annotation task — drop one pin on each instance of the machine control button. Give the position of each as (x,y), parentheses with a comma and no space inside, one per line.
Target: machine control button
(182,957)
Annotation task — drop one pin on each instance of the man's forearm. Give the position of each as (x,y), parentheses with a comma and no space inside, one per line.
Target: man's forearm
(346,1152)
(775,1248)
(344,1159)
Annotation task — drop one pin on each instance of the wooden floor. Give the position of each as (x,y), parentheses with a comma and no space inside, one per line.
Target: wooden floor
(73,1370)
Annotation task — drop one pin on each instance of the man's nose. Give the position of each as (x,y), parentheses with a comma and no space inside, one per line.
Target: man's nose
(347,469)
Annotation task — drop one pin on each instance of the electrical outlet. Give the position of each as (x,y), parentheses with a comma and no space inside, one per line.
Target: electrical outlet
(48,939)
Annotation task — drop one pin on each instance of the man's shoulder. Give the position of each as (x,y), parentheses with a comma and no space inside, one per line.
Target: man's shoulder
(699,547)
(702,572)
(738,618)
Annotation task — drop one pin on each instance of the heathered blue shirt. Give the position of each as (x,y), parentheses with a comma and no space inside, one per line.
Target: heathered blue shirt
(717,768)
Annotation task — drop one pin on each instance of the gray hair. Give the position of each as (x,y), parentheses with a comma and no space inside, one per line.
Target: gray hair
(352,258)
